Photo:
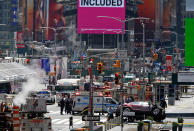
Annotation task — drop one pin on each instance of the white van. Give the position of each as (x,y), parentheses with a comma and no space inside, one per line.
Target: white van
(100,103)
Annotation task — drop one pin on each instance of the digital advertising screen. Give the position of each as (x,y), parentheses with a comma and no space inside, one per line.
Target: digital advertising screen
(100,16)
(189,42)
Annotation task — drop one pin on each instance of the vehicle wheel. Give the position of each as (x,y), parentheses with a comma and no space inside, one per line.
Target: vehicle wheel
(129,118)
(157,114)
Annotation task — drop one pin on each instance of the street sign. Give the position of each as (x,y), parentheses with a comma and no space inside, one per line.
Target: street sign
(122,90)
(90,118)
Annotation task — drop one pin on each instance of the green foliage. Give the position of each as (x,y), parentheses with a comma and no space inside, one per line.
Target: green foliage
(174,124)
(140,123)
(180,120)
(150,118)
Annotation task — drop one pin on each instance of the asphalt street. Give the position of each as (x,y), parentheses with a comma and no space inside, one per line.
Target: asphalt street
(184,105)
(61,122)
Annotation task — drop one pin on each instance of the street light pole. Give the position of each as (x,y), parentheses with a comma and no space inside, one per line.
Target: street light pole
(123,44)
(143,25)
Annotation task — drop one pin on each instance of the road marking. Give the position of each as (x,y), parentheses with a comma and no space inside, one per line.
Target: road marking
(77,121)
(54,112)
(54,120)
(62,121)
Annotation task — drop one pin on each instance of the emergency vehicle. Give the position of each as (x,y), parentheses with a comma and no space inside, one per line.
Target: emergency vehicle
(100,103)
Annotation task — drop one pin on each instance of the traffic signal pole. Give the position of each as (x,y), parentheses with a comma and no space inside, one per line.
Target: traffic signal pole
(90,112)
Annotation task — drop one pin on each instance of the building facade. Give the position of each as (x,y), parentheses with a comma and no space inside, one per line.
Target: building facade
(10,23)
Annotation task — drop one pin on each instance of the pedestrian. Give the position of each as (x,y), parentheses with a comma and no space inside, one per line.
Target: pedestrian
(110,113)
(68,105)
(163,103)
(117,113)
(62,103)
(128,100)
(132,99)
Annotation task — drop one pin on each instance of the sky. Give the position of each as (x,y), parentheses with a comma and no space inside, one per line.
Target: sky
(189,5)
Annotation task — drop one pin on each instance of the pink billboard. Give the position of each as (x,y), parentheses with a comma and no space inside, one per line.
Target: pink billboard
(89,20)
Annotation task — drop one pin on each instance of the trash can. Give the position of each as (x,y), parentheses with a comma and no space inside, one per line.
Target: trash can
(148,124)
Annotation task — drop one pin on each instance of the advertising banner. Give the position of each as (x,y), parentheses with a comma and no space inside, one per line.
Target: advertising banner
(147,10)
(169,63)
(90,22)
(19,37)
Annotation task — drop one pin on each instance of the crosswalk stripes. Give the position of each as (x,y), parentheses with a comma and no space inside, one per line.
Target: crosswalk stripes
(62,121)
(75,121)
(55,120)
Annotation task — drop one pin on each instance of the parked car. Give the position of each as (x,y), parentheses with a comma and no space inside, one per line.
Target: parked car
(46,94)
(141,110)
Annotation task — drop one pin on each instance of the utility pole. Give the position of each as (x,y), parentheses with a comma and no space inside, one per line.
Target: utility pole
(90,112)
(143,25)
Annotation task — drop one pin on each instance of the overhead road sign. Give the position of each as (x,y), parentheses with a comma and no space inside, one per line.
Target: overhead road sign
(90,118)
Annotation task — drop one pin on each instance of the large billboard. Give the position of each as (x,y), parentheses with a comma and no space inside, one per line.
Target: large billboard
(146,10)
(189,42)
(28,12)
(88,20)
(169,19)
(40,19)
(56,19)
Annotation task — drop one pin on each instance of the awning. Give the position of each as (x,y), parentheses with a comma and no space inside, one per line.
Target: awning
(14,71)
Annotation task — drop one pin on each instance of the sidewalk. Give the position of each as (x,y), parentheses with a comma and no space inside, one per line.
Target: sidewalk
(184,105)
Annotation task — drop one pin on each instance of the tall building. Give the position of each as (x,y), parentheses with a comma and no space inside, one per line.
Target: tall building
(10,22)
(181,15)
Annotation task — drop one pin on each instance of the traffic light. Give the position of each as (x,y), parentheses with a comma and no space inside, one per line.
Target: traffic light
(92,60)
(27,61)
(100,67)
(117,78)
(155,55)
(82,58)
(55,68)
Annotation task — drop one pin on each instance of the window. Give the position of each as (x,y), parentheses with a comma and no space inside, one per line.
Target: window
(109,100)
(78,100)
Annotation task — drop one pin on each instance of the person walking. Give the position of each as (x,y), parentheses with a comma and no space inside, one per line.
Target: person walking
(68,105)
(117,113)
(163,103)
(110,113)
(62,103)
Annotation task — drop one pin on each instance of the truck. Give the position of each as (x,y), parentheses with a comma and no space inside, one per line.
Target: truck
(100,103)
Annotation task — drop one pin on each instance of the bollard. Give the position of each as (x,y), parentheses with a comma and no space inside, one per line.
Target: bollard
(70,122)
